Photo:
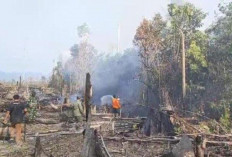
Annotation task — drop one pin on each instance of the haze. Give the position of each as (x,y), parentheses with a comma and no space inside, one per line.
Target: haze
(33,34)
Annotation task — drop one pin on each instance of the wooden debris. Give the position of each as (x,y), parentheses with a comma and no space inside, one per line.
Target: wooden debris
(47,121)
(38,152)
(91,147)
(104,146)
(218,143)
(151,140)
(200,146)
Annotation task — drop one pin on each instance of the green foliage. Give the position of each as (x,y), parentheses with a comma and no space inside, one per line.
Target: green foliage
(219,56)
(196,58)
(186,17)
(178,129)
(150,39)
(32,110)
(57,81)
(205,127)
(208,57)
(32,113)
(159,46)
(226,118)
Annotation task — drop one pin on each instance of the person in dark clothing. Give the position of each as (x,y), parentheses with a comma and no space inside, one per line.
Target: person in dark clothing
(16,113)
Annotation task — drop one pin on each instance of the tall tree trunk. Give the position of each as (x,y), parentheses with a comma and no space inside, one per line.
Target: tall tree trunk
(183,65)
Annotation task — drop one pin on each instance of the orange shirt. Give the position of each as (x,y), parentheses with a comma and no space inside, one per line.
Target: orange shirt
(116,103)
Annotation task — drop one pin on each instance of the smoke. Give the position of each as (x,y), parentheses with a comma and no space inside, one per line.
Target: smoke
(113,74)
(116,74)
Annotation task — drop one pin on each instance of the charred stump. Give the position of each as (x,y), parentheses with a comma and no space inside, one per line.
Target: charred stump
(92,147)
(158,122)
(88,95)
(39,152)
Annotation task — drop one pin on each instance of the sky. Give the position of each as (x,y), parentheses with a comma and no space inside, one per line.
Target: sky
(35,33)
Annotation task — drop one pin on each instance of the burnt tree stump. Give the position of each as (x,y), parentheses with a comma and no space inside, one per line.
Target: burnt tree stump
(92,147)
(38,148)
(158,122)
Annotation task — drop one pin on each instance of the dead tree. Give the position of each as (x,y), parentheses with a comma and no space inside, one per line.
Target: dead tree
(20,81)
(91,146)
(88,94)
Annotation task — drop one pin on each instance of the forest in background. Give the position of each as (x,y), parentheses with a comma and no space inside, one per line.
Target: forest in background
(151,72)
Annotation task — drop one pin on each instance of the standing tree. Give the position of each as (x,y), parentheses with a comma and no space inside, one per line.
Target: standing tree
(57,80)
(81,62)
(149,40)
(185,20)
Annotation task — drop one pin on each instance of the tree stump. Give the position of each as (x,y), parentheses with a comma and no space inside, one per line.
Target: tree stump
(158,122)
(200,146)
(92,147)
(38,148)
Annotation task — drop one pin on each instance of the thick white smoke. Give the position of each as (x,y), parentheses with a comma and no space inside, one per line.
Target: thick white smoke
(115,75)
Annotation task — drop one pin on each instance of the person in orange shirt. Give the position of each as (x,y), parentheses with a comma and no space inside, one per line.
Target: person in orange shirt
(116,106)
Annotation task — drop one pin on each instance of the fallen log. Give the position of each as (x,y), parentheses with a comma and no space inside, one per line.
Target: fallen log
(218,143)
(46,132)
(116,151)
(47,121)
(104,146)
(80,131)
(102,114)
(142,140)
(213,135)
